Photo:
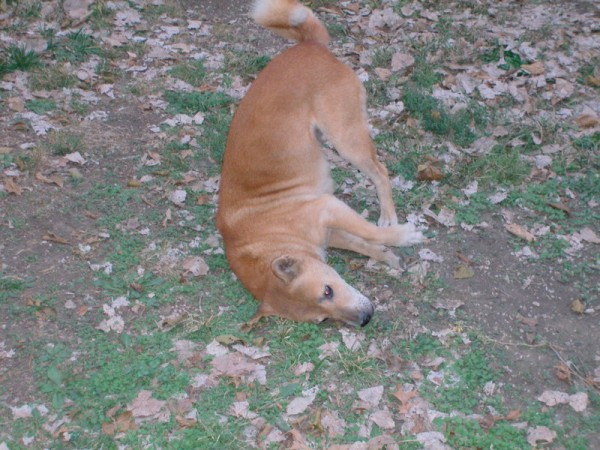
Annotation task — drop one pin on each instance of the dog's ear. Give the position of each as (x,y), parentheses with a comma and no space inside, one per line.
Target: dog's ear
(286,268)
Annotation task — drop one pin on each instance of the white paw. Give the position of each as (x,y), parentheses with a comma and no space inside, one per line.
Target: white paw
(409,235)
(387,220)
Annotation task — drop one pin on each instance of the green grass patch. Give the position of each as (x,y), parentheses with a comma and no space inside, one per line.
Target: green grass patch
(62,143)
(193,73)
(459,127)
(502,166)
(194,102)
(41,105)
(17,57)
(244,63)
(52,77)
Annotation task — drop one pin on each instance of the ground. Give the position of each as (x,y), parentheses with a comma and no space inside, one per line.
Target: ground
(121,324)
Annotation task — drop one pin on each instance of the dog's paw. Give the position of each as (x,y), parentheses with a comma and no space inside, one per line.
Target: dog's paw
(387,220)
(409,235)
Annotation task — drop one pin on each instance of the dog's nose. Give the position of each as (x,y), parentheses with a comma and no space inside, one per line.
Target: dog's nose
(365,317)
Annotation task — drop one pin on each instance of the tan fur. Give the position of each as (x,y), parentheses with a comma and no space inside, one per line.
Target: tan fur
(277,214)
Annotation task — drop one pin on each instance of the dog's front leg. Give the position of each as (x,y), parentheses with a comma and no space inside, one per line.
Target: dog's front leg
(336,215)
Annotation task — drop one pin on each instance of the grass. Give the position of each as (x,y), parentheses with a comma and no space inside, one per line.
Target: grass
(435,118)
(81,372)
(61,143)
(193,73)
(18,58)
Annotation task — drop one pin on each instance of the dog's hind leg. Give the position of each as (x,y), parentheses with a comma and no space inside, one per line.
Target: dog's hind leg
(336,215)
(343,120)
(346,241)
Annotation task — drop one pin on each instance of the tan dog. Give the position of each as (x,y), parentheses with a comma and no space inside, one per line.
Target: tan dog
(277,214)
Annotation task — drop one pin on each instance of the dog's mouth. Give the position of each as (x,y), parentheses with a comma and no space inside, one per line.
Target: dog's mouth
(363,319)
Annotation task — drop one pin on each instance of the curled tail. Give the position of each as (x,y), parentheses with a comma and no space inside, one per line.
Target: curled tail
(290,19)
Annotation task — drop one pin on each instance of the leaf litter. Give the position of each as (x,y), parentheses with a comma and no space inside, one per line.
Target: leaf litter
(552,80)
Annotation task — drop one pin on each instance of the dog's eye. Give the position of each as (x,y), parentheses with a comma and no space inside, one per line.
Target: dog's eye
(328,292)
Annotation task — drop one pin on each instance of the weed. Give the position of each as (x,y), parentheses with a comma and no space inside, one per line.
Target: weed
(244,63)
(193,102)
(424,75)
(436,119)
(471,213)
(51,78)
(214,137)
(41,106)
(502,166)
(19,58)
(382,57)
(11,287)
(193,73)
(62,143)
(77,46)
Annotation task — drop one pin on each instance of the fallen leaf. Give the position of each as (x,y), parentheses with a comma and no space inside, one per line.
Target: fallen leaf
(333,423)
(383,419)
(371,396)
(12,187)
(588,235)
(75,157)
(513,415)
(535,68)
(238,367)
(544,434)
(300,404)
(561,207)
(579,401)
(144,406)
(428,172)
(405,399)
(577,306)
(54,179)
(123,423)
(51,237)
(519,231)
(562,372)
(195,266)
(463,271)
(553,398)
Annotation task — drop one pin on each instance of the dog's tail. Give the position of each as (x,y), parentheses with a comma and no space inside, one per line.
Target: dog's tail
(290,19)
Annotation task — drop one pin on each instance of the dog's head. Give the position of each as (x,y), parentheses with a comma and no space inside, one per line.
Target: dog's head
(305,289)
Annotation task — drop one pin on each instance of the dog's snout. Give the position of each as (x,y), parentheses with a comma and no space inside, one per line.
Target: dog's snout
(365,318)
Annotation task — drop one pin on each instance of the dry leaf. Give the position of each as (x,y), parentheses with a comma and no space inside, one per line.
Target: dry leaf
(299,405)
(463,271)
(51,237)
(144,406)
(405,399)
(75,157)
(588,235)
(577,306)
(562,372)
(371,396)
(122,424)
(587,121)
(519,231)
(553,398)
(383,419)
(513,415)
(333,423)
(12,187)
(579,401)
(428,172)
(544,434)
(195,266)
(54,179)
(561,207)
(535,68)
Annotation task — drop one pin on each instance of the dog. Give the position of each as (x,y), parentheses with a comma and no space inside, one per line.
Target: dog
(277,213)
